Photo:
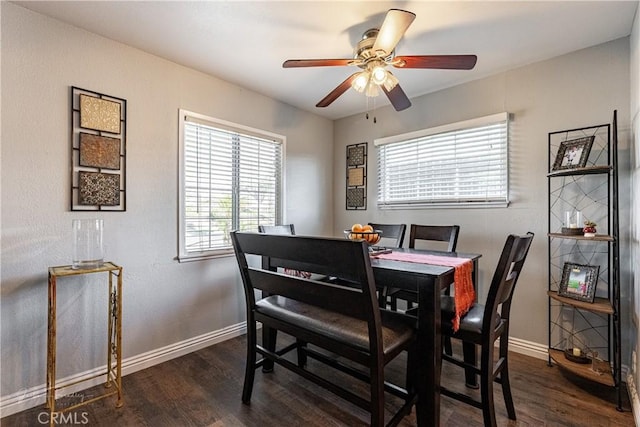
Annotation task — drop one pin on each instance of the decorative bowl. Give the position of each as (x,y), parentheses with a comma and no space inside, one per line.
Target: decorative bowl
(371,237)
(572,231)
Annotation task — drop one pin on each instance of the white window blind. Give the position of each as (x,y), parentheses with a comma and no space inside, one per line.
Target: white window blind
(231,180)
(461,163)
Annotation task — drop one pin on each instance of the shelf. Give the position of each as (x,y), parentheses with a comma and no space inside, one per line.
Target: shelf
(592,190)
(589,170)
(582,370)
(600,305)
(597,238)
(67,270)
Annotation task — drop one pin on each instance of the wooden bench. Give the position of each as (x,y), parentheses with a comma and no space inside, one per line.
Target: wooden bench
(342,320)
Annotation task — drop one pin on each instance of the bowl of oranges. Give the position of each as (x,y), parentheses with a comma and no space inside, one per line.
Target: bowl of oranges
(363,232)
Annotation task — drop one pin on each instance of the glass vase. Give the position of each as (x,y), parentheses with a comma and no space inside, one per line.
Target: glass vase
(88,249)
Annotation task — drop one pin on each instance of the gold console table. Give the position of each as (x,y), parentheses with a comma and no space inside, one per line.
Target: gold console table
(114,345)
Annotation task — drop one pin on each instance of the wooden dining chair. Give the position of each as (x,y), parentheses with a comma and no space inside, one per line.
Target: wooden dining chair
(392,234)
(446,238)
(482,326)
(277,229)
(445,234)
(341,320)
(392,237)
(270,335)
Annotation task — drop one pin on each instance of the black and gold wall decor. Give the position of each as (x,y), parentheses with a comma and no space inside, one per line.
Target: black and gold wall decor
(356,197)
(98,151)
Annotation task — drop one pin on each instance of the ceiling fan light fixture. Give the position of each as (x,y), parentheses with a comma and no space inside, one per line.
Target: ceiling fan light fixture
(379,75)
(390,81)
(361,81)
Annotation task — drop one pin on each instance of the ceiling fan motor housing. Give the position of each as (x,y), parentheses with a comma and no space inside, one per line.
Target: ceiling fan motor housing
(364,48)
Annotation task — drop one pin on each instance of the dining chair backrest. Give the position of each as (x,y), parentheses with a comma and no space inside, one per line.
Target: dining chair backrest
(507,273)
(277,229)
(288,229)
(448,234)
(392,234)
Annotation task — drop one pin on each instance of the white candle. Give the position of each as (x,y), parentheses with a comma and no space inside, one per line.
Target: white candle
(577,352)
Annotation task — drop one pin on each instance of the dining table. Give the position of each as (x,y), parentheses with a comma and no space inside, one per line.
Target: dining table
(428,280)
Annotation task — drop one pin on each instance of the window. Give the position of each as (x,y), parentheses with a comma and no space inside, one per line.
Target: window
(464,163)
(230,179)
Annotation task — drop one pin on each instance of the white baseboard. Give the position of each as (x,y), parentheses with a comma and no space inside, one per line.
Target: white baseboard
(528,348)
(34,396)
(633,397)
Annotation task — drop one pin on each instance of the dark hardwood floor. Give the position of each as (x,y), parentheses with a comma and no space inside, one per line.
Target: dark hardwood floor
(203,389)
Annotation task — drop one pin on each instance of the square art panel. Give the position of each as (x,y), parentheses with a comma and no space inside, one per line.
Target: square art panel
(99,151)
(355,177)
(356,154)
(99,114)
(99,189)
(355,198)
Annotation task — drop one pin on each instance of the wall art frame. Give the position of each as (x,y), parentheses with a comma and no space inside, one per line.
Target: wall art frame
(356,177)
(98,151)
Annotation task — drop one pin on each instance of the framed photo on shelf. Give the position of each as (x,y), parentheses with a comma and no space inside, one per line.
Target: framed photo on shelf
(573,154)
(579,281)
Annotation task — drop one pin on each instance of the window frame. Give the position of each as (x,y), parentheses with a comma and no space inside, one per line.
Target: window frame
(189,116)
(448,128)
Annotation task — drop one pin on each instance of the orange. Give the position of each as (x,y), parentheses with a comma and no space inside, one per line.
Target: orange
(356,228)
(367,228)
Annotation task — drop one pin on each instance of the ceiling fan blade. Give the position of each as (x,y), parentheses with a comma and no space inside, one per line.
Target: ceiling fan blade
(393,28)
(397,97)
(334,94)
(291,63)
(450,62)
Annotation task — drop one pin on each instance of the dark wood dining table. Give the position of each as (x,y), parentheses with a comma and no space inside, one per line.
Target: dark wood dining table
(428,280)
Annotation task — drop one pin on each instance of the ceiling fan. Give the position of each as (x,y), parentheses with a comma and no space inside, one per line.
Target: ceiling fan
(374,52)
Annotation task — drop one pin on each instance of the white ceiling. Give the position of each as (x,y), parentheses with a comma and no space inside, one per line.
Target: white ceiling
(245,42)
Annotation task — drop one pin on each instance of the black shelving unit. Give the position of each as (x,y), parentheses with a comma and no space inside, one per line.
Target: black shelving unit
(592,189)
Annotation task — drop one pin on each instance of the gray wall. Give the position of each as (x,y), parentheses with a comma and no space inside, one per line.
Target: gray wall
(165,302)
(574,90)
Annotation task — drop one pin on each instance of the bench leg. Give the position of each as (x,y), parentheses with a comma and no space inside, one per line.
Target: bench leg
(302,354)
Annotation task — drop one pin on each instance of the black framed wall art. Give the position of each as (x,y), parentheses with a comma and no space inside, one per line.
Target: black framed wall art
(356,177)
(98,151)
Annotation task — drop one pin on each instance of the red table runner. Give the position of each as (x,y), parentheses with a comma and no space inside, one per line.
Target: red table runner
(465,294)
